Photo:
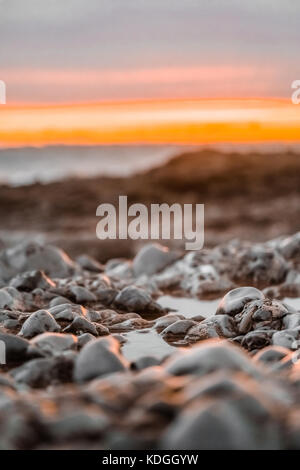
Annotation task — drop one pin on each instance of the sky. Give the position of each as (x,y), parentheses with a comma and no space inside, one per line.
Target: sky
(88,54)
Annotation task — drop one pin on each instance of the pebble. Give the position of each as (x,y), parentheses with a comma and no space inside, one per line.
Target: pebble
(81,424)
(10,298)
(135,299)
(59,300)
(40,373)
(97,358)
(84,338)
(67,312)
(82,325)
(151,259)
(54,344)
(82,295)
(259,264)
(291,321)
(290,246)
(256,339)
(90,264)
(106,296)
(233,302)
(286,339)
(31,280)
(39,322)
(30,256)
(208,357)
(18,349)
(242,423)
(216,326)
(271,354)
(167,320)
(178,328)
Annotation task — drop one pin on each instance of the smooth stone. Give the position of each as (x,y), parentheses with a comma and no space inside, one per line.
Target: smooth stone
(98,358)
(79,424)
(230,424)
(151,259)
(271,354)
(286,338)
(262,315)
(39,322)
(216,326)
(257,339)
(130,324)
(29,256)
(82,325)
(233,302)
(106,296)
(90,264)
(180,327)
(290,246)
(84,339)
(119,269)
(135,299)
(210,356)
(40,373)
(10,298)
(18,349)
(82,295)
(11,324)
(259,264)
(54,343)
(59,301)
(67,312)
(28,281)
(167,320)
(6,381)
(94,316)
(291,321)
(215,385)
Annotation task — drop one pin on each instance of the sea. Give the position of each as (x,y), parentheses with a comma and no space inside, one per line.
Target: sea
(23,166)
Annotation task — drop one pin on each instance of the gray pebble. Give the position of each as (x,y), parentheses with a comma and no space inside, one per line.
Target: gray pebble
(54,343)
(234,301)
(37,323)
(152,259)
(97,358)
(82,295)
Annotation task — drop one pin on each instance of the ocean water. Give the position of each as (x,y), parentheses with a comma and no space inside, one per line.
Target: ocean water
(27,165)
(21,166)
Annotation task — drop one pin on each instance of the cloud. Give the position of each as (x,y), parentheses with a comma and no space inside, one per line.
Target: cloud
(143,34)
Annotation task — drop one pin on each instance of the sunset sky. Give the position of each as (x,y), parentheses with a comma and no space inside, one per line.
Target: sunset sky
(162,71)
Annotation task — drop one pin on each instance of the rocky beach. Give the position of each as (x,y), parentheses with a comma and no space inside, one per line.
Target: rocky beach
(123,345)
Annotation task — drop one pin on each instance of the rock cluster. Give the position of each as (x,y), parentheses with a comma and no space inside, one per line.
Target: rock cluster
(232,380)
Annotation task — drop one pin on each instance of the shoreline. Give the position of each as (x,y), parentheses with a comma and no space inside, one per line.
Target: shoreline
(250,196)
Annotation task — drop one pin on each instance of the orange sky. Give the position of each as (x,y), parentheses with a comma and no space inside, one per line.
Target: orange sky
(154,121)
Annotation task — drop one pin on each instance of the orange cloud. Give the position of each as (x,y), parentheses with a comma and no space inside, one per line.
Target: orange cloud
(168,121)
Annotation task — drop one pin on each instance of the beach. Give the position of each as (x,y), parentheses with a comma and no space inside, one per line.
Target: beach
(252,196)
(130,344)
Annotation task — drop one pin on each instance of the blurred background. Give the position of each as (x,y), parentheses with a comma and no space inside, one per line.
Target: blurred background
(194,97)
